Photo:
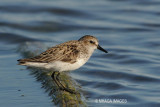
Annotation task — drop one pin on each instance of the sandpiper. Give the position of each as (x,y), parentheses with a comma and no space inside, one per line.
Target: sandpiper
(67,56)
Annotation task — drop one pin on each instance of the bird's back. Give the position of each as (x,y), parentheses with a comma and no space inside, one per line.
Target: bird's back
(65,52)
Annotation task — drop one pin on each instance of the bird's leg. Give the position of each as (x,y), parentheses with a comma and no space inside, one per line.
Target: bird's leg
(56,79)
(53,77)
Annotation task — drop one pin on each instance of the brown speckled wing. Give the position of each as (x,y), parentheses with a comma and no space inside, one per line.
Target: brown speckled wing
(66,52)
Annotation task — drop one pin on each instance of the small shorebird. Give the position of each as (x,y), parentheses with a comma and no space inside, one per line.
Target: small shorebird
(67,56)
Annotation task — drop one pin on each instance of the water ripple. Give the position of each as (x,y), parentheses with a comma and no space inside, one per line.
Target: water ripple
(15,38)
(109,86)
(121,76)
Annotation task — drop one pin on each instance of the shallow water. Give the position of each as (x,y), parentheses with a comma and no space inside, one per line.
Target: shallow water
(128,29)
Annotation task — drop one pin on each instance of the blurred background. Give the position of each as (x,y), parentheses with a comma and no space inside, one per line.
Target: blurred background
(128,29)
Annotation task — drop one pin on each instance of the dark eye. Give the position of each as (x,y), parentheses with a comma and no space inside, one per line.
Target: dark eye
(91,42)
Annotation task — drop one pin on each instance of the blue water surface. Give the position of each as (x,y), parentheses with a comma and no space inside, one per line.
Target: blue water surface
(128,29)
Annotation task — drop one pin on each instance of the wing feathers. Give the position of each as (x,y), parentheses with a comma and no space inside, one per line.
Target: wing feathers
(63,52)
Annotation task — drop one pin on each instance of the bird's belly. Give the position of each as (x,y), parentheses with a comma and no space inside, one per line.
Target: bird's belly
(65,66)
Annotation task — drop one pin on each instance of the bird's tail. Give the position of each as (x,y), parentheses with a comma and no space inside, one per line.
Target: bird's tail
(22,61)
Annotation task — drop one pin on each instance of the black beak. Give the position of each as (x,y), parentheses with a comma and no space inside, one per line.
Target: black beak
(100,48)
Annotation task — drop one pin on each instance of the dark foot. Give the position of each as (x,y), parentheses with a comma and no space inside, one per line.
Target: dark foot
(68,90)
(60,85)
